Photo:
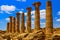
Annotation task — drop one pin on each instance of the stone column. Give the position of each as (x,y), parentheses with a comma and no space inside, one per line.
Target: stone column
(13,25)
(28,27)
(10,24)
(7,28)
(49,20)
(37,16)
(17,24)
(22,28)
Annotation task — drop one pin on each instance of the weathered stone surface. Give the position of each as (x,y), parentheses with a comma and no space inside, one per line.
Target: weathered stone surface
(49,20)
(17,23)
(13,25)
(21,36)
(22,28)
(28,27)
(56,37)
(1,38)
(7,28)
(37,16)
(39,35)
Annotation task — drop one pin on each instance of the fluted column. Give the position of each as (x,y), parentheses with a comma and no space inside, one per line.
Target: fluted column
(22,28)
(17,23)
(28,27)
(7,28)
(13,25)
(49,20)
(37,15)
(10,24)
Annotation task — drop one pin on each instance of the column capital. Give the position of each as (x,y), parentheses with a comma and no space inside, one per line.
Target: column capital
(37,4)
(8,23)
(29,8)
(22,14)
(14,18)
(28,27)
(49,4)
(11,16)
(17,13)
(17,23)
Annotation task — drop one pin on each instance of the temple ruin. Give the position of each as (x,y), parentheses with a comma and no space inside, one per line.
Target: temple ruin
(16,29)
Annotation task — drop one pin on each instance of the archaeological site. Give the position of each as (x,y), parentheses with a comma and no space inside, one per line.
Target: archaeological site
(16,29)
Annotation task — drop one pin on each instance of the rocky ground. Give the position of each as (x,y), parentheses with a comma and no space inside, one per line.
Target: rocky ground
(38,35)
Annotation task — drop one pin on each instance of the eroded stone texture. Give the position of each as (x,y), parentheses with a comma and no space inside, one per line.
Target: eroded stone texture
(37,15)
(13,25)
(17,22)
(28,27)
(1,38)
(7,27)
(56,37)
(49,20)
(37,33)
(22,28)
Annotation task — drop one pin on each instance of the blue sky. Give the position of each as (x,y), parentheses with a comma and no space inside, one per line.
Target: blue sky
(10,7)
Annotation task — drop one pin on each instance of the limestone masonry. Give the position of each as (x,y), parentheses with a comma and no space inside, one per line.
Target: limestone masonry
(16,29)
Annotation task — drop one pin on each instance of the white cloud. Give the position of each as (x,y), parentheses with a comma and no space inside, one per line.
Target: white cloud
(42,25)
(57,25)
(25,14)
(7,19)
(7,8)
(58,12)
(20,12)
(58,20)
(42,14)
(32,22)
